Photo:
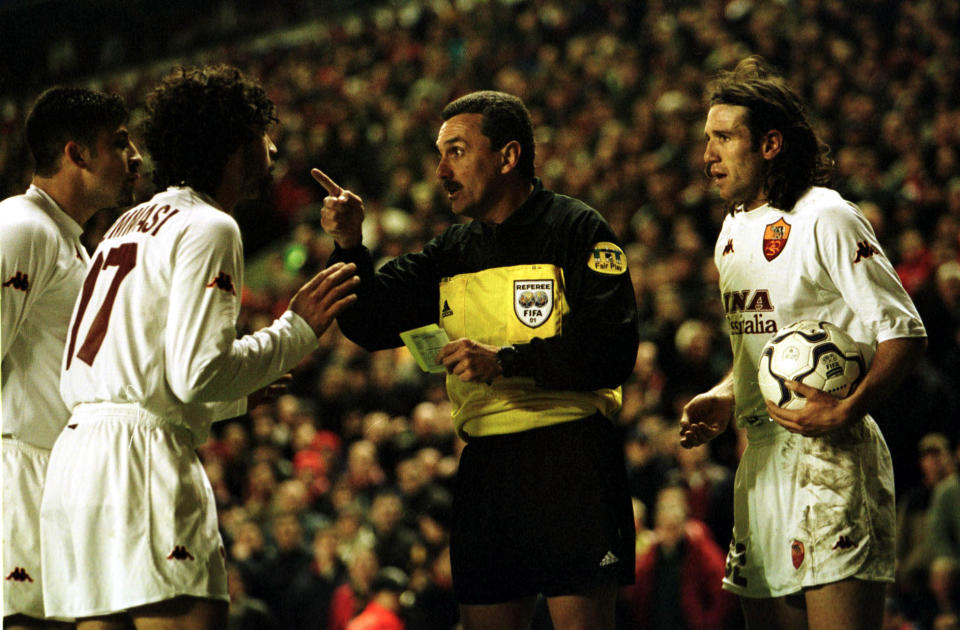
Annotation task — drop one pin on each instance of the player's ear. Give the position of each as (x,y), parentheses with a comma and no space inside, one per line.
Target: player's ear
(771,144)
(509,156)
(75,153)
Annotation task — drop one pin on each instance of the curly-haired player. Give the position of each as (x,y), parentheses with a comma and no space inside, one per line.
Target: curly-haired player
(128,519)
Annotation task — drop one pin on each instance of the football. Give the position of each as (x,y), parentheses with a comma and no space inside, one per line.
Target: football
(811,352)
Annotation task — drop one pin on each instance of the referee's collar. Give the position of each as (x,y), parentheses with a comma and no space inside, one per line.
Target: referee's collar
(529,211)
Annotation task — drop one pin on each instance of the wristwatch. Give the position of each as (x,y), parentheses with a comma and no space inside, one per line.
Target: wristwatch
(507,360)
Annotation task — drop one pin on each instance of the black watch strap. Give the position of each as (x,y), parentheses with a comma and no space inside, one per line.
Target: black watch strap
(507,360)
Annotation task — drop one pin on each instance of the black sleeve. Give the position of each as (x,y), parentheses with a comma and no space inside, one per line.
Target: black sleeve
(597,346)
(401,295)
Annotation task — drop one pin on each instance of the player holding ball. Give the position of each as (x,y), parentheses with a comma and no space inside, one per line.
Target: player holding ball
(813,536)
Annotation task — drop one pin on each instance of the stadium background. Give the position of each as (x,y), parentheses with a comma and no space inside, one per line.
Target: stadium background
(616,94)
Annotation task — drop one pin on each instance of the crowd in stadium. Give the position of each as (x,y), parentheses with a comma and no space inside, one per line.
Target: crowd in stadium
(351,470)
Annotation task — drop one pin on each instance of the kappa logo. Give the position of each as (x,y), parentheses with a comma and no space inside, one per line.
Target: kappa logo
(775,238)
(728,248)
(865,250)
(844,542)
(20,281)
(533,301)
(223,282)
(608,259)
(180,553)
(19,574)
(796,553)
(446,311)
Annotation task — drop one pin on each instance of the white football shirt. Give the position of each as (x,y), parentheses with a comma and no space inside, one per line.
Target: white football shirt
(42,263)
(155,323)
(819,261)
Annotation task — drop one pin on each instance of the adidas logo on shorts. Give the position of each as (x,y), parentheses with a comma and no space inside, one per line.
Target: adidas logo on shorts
(609,559)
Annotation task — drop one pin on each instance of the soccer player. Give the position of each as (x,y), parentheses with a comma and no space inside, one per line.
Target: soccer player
(813,536)
(128,519)
(536,296)
(84,161)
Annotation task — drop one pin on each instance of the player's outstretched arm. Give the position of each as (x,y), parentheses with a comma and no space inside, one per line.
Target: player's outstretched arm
(342,213)
(822,413)
(707,415)
(325,295)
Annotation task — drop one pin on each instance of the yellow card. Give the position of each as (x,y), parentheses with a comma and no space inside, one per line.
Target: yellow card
(424,343)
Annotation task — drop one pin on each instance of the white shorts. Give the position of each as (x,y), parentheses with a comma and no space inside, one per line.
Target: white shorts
(810,511)
(128,516)
(24,467)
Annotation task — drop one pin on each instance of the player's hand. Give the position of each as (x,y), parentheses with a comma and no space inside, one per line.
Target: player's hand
(821,414)
(342,213)
(473,362)
(325,295)
(269,393)
(705,417)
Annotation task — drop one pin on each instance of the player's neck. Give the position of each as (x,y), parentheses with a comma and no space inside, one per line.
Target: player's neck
(67,192)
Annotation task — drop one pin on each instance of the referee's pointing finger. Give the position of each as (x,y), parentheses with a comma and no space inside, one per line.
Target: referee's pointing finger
(331,186)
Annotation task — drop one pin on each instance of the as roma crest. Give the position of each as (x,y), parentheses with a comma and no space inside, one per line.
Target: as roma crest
(533,301)
(796,553)
(775,238)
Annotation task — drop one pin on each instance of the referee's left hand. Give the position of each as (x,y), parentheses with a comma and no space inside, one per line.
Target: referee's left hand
(472,361)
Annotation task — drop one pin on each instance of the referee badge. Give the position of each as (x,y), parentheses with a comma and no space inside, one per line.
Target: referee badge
(533,301)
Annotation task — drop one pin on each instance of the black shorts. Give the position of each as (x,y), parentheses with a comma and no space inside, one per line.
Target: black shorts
(545,511)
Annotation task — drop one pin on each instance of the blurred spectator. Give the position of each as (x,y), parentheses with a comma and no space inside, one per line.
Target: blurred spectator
(287,557)
(939,305)
(306,604)
(894,617)
(435,606)
(363,473)
(914,554)
(943,533)
(395,540)
(246,613)
(679,576)
(916,261)
(350,597)
(648,466)
(383,610)
(709,489)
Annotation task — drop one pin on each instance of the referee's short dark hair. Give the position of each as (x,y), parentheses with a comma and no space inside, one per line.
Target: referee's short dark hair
(505,118)
(64,114)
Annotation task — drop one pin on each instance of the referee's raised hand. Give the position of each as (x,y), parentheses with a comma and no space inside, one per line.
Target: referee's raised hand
(342,213)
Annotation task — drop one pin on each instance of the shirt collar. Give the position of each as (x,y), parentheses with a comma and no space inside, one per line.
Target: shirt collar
(52,208)
(529,210)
